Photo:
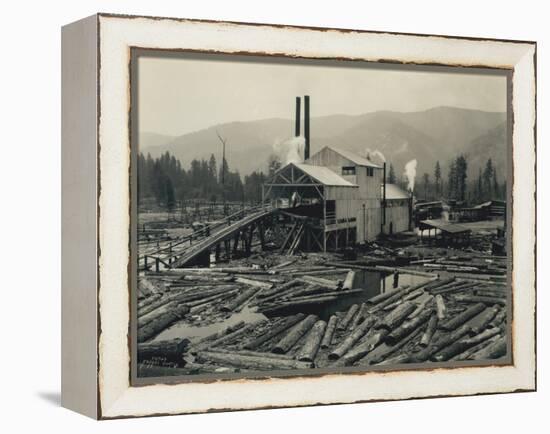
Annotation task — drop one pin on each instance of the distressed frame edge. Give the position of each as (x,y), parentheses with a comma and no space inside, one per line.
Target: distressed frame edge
(79,271)
(530,49)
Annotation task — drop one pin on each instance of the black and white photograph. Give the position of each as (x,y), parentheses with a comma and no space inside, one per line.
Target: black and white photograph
(304,216)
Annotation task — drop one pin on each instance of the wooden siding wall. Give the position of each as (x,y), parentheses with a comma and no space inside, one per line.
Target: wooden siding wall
(349,202)
(398,215)
(369,186)
(368,222)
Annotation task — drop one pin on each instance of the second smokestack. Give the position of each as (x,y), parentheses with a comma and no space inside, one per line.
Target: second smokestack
(306,127)
(298,117)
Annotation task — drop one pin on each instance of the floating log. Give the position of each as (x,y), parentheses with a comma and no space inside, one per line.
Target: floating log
(147,301)
(421,303)
(466,354)
(231,337)
(255,283)
(372,339)
(236,304)
(341,293)
(325,270)
(146,318)
(359,317)
(285,325)
(220,333)
(383,351)
(348,282)
(161,322)
(209,278)
(250,353)
(159,302)
(312,341)
(463,344)
(351,339)
(494,350)
(488,293)
(276,308)
(440,343)
(408,327)
(239,270)
(294,335)
(440,306)
(342,325)
(482,320)
(399,359)
(279,289)
(448,287)
(464,286)
(500,317)
(148,370)
(490,301)
(329,332)
(462,317)
(430,330)
(189,296)
(385,295)
(403,270)
(414,294)
(171,351)
(210,299)
(283,264)
(266,279)
(397,316)
(302,292)
(396,296)
(300,270)
(252,362)
(320,281)
(439,283)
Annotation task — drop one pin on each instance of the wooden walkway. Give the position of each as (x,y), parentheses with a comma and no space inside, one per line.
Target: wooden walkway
(238,228)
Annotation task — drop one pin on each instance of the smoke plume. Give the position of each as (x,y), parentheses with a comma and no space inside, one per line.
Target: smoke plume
(290,150)
(410,173)
(376,153)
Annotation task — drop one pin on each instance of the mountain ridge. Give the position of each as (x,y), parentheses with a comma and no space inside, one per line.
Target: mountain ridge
(435,134)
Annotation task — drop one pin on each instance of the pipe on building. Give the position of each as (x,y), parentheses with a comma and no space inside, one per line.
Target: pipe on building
(411,211)
(298,116)
(384,199)
(306,127)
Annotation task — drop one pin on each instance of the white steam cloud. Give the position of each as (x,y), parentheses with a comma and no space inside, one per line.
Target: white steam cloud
(376,153)
(290,150)
(410,173)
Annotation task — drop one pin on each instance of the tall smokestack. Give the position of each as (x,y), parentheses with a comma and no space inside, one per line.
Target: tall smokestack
(297,127)
(306,127)
(384,197)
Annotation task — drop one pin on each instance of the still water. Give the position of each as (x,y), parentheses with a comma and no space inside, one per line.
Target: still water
(373,283)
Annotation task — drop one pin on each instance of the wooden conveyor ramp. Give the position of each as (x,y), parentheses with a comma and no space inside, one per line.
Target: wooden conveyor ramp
(220,235)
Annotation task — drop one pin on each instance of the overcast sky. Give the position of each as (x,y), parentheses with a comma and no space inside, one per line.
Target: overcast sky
(185,93)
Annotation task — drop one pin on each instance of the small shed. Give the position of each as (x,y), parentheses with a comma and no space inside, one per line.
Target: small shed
(449,233)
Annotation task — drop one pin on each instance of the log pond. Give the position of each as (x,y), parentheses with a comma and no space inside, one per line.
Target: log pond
(373,283)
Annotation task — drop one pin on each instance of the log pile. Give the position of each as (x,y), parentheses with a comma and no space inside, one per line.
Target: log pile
(444,318)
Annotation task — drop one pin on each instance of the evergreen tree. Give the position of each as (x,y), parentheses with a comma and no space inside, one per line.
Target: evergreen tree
(479,190)
(426,179)
(488,180)
(169,194)
(462,175)
(391,175)
(437,178)
(451,184)
(273,164)
(496,187)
